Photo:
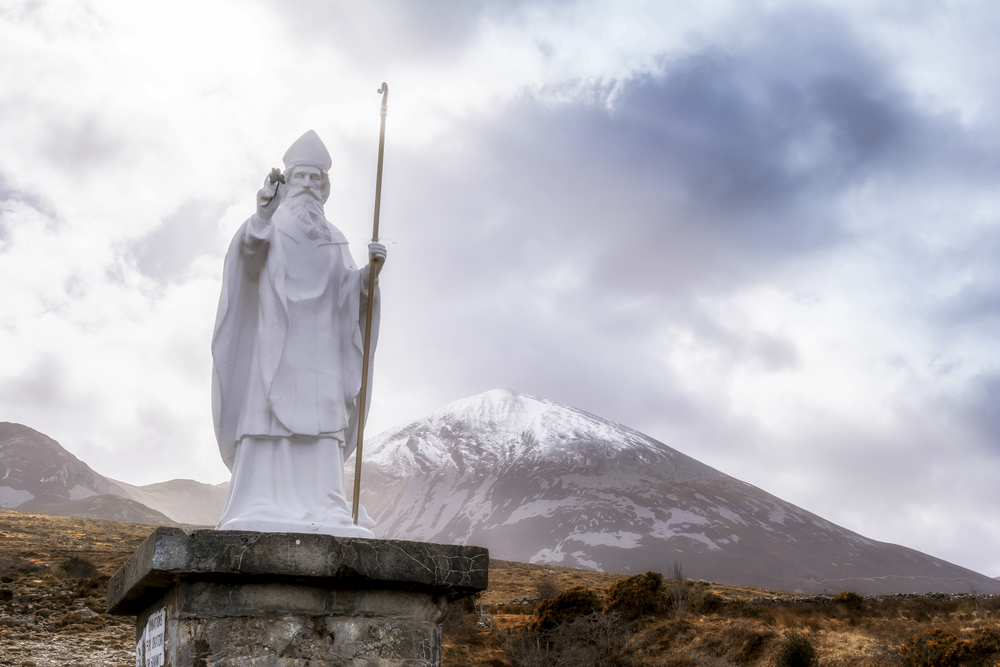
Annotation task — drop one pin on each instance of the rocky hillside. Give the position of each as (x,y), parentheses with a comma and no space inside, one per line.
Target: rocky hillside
(34,467)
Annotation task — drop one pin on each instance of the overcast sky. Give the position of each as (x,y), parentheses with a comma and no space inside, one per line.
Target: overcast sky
(764,233)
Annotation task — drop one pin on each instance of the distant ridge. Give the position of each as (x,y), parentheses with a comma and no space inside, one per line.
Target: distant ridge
(539,482)
(184,500)
(106,507)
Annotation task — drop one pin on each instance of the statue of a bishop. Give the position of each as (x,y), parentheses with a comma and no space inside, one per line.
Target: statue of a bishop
(287,353)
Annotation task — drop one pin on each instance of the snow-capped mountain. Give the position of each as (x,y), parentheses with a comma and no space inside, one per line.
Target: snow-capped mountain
(38,475)
(540,482)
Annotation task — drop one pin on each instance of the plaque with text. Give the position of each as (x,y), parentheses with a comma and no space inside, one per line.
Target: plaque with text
(149,649)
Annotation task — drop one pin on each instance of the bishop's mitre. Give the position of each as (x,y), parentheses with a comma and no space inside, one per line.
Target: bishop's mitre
(309,151)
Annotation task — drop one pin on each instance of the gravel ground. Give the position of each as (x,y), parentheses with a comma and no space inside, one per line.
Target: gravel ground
(46,621)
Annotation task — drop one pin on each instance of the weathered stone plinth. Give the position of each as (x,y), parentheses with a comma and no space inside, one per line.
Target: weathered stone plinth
(233,598)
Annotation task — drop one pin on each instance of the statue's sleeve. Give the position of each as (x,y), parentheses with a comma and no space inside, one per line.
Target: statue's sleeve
(255,242)
(232,340)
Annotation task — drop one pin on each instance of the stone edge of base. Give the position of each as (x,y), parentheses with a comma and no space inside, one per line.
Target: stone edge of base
(170,555)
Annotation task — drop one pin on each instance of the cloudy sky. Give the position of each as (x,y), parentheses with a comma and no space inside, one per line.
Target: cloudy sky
(766,233)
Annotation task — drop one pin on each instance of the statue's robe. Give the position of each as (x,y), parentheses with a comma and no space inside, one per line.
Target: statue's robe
(287,350)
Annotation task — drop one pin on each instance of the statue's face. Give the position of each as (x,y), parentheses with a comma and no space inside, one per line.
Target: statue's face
(305,181)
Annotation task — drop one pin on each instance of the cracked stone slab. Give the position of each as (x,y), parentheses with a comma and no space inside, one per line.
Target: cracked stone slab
(171,555)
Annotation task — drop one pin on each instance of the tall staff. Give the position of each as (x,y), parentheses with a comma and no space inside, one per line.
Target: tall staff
(371,306)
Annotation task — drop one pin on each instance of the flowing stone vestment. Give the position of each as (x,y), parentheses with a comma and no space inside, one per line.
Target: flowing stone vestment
(287,351)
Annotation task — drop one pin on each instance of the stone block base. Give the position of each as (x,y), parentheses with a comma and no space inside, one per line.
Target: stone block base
(227,598)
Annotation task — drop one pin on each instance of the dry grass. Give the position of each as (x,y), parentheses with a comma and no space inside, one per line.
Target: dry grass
(51,620)
(511,581)
(742,633)
(718,627)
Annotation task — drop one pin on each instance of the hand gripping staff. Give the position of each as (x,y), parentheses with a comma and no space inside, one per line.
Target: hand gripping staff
(362,398)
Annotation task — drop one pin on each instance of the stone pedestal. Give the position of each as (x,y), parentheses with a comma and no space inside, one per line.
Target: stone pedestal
(211,598)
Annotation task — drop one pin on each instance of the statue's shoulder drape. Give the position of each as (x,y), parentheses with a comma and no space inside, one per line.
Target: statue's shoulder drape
(249,340)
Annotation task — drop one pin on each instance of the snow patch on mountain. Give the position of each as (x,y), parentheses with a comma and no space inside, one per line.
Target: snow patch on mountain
(11,498)
(728,514)
(621,539)
(543,508)
(78,492)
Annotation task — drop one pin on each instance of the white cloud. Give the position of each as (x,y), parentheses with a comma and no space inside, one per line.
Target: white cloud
(764,234)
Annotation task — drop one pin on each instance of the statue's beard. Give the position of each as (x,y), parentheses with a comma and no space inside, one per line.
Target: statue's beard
(305,208)
(303,204)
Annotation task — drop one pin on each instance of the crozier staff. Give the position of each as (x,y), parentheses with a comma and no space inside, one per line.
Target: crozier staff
(288,356)
(384,90)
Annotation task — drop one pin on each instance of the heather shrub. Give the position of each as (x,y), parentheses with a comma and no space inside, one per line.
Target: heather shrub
(796,651)
(13,567)
(985,647)
(935,648)
(453,614)
(469,602)
(568,606)
(461,627)
(76,567)
(596,641)
(95,587)
(675,631)
(938,648)
(849,599)
(788,615)
(523,646)
(547,589)
(633,597)
(517,609)
(592,640)
(924,609)
(741,641)
(703,601)
(740,609)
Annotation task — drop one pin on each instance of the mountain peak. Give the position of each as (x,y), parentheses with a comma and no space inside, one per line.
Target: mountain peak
(502,425)
(516,417)
(13,434)
(495,406)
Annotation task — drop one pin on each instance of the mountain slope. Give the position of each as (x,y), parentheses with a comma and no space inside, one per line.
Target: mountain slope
(105,508)
(38,475)
(539,482)
(33,466)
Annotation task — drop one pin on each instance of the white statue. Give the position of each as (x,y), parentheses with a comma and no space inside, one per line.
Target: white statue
(287,353)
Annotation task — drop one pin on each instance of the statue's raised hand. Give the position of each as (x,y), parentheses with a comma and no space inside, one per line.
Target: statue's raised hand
(269,196)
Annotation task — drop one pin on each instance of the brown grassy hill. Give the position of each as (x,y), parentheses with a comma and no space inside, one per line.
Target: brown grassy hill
(48,618)
(51,613)
(104,507)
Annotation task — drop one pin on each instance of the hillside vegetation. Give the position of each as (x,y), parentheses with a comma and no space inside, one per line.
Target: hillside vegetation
(650,620)
(54,573)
